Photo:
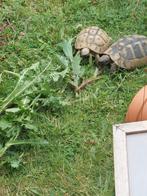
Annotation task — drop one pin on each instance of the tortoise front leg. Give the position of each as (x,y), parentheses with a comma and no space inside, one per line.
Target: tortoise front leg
(97,56)
(90,59)
(113,68)
(100,67)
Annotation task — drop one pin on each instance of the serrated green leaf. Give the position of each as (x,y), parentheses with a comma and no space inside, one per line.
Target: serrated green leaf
(67,48)
(55,76)
(64,72)
(76,65)
(24,83)
(63,60)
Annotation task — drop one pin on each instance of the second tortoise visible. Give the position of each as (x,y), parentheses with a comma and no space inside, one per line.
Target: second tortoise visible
(128,53)
(92,40)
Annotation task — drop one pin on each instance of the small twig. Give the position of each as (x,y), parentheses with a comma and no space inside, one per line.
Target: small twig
(85,83)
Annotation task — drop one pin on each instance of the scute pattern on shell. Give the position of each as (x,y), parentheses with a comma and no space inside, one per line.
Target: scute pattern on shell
(93,38)
(129,52)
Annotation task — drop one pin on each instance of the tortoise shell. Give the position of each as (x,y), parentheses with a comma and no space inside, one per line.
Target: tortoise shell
(93,38)
(129,52)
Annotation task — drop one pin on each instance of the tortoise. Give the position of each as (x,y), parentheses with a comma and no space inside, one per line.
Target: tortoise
(128,52)
(92,41)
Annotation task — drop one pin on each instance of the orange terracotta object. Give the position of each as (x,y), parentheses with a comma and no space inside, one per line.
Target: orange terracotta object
(137,110)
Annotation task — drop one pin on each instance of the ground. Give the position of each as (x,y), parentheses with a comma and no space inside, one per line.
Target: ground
(79,157)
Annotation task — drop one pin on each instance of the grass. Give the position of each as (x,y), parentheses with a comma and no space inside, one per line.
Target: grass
(79,157)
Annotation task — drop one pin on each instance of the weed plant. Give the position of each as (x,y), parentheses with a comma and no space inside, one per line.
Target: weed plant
(53,141)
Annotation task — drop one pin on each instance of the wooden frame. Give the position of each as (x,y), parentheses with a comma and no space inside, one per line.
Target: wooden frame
(120,132)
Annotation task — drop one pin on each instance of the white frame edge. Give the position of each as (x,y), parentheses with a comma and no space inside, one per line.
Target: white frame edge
(120,131)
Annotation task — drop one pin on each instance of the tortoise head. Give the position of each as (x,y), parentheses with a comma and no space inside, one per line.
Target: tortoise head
(85,51)
(105,59)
